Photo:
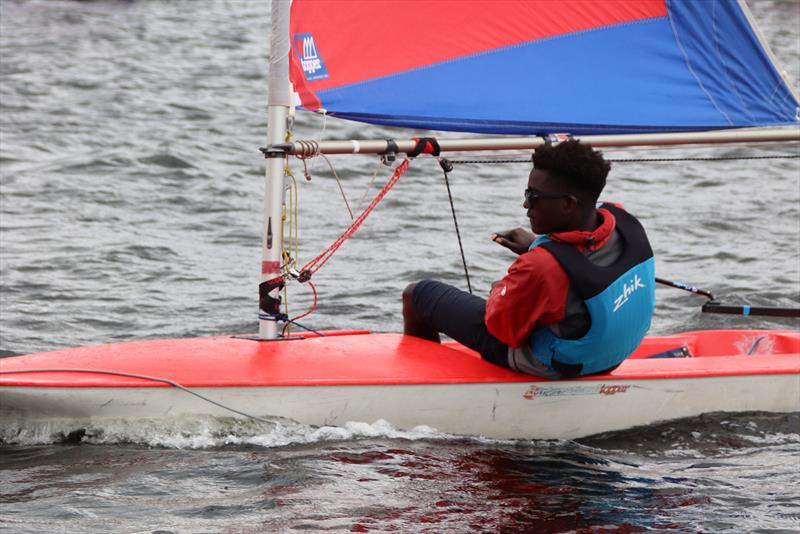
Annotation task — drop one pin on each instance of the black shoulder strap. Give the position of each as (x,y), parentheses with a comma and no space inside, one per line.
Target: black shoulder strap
(588,279)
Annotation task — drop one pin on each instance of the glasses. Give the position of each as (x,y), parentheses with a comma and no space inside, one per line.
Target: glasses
(531,197)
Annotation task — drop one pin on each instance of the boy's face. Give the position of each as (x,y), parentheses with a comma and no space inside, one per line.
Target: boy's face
(550,208)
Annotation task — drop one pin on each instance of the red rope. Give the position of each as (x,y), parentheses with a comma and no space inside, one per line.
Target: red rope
(314,265)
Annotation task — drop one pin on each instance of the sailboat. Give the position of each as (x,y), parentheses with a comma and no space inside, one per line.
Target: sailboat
(685,72)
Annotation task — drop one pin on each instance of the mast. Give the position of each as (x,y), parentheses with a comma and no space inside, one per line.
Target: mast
(279,101)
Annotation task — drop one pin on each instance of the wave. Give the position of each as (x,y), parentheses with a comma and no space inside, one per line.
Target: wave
(691,437)
(201,432)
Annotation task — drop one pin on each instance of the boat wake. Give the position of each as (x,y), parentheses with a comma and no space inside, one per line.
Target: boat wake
(201,432)
(696,436)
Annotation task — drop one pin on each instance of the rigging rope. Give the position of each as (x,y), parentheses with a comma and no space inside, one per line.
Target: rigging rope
(378,165)
(311,267)
(310,149)
(632,160)
(288,267)
(446,168)
(291,238)
(308,312)
(315,264)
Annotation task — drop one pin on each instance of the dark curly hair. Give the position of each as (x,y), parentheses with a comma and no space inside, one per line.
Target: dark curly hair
(582,168)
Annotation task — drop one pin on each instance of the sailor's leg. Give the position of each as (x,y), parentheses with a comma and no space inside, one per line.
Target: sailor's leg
(413,324)
(432,307)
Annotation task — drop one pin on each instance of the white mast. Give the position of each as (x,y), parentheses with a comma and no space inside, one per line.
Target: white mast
(277,113)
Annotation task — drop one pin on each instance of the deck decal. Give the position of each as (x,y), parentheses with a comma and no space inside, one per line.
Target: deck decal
(612,390)
(535,391)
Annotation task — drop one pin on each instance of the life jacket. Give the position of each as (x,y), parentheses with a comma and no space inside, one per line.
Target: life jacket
(619,298)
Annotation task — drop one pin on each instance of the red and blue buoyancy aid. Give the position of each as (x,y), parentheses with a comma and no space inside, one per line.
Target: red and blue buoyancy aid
(620,299)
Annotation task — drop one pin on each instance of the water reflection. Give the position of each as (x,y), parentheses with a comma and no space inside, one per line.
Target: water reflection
(519,488)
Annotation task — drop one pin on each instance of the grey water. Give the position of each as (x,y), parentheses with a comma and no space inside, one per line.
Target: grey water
(131,191)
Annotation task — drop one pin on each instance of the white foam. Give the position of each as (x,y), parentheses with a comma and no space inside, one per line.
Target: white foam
(204,432)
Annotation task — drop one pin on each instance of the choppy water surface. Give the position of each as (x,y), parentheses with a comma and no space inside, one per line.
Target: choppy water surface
(130,208)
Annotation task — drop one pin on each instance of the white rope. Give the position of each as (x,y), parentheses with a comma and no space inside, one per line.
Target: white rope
(309,150)
(378,165)
(339,183)
(143,377)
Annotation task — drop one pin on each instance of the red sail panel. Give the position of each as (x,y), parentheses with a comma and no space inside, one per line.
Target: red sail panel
(348,41)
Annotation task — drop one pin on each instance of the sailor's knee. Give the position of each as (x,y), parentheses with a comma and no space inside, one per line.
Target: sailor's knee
(408,294)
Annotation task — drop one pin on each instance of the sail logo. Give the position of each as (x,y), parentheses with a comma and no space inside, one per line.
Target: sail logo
(627,291)
(310,60)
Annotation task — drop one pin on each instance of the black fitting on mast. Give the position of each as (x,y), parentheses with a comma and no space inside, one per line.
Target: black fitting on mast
(267,303)
(276,151)
(389,155)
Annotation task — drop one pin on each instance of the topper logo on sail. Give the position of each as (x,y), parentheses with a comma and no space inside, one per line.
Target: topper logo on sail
(627,290)
(310,60)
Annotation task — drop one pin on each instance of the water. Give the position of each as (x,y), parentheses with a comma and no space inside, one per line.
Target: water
(131,207)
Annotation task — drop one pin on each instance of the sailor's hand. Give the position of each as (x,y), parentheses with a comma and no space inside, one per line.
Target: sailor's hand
(517,240)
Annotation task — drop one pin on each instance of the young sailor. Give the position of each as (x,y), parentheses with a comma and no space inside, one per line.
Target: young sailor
(580,297)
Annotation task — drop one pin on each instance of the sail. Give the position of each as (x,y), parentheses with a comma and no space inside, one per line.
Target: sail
(538,66)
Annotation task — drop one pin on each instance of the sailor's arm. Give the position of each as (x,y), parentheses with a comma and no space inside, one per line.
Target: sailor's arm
(533,293)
